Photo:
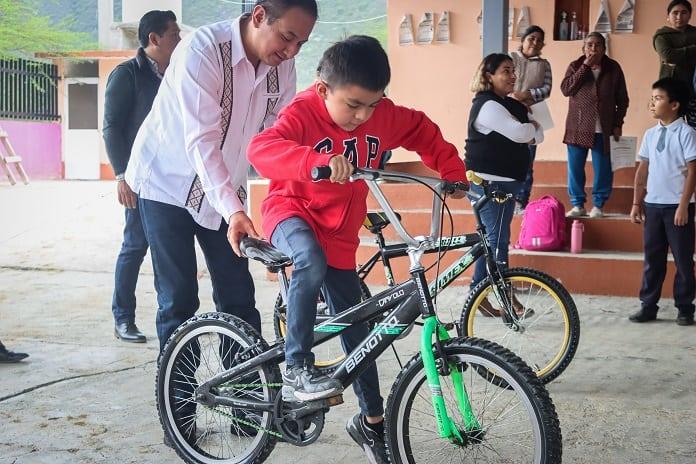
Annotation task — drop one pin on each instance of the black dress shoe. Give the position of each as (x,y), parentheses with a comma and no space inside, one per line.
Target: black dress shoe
(129,332)
(7,356)
(685,319)
(643,316)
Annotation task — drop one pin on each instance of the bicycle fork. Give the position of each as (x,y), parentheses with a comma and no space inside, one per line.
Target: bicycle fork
(447,427)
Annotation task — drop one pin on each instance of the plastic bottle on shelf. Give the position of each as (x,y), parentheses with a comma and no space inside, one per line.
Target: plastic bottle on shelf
(576,231)
(573,26)
(563,27)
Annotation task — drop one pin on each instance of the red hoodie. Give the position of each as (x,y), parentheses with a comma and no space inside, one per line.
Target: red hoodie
(305,136)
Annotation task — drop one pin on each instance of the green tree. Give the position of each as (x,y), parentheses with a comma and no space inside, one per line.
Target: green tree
(24,31)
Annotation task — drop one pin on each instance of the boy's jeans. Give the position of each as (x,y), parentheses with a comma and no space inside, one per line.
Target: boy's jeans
(497,218)
(296,239)
(603,175)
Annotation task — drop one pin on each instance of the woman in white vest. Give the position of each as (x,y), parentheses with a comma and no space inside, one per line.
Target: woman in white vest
(532,86)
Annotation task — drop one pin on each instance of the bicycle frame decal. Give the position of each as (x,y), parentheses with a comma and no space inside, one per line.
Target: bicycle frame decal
(457,268)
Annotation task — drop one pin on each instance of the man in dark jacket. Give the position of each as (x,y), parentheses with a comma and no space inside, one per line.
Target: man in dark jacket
(676,46)
(130,91)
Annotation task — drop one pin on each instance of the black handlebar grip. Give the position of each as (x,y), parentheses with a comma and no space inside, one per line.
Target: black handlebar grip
(321,172)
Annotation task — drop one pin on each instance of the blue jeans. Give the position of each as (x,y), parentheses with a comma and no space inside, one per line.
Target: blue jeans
(171,231)
(497,218)
(603,175)
(341,289)
(133,250)
(522,197)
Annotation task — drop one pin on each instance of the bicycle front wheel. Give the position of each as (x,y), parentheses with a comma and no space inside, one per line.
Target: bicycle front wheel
(514,424)
(548,326)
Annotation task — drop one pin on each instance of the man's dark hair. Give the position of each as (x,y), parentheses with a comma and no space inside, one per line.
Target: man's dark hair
(156,21)
(277,8)
(358,60)
(676,90)
(684,3)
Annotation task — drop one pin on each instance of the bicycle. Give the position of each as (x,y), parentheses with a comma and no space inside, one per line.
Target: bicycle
(218,381)
(531,314)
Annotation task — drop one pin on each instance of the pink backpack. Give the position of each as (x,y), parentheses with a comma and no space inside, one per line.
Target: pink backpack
(543,225)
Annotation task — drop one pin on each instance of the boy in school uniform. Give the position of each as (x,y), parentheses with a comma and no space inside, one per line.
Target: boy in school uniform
(663,200)
(343,121)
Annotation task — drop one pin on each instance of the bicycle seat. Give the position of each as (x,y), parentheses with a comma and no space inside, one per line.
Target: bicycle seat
(264,252)
(377,220)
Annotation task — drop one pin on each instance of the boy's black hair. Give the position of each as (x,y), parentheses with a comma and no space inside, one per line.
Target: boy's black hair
(277,8)
(676,90)
(156,21)
(358,60)
(673,3)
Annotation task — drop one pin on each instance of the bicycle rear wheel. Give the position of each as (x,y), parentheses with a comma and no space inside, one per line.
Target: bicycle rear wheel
(201,348)
(329,355)
(549,325)
(515,424)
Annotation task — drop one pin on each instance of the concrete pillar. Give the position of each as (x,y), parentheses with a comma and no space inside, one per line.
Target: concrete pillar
(495,26)
(105,18)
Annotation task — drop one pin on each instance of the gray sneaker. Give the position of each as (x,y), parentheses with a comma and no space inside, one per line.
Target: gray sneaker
(371,443)
(308,384)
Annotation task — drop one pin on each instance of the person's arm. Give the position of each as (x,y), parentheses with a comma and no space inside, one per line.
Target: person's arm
(681,216)
(640,182)
(414,131)
(674,55)
(119,98)
(574,79)
(621,98)
(543,92)
(494,117)
(278,154)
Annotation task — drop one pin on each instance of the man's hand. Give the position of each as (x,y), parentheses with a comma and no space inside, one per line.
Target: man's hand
(617,133)
(637,214)
(341,169)
(593,59)
(239,227)
(681,215)
(125,195)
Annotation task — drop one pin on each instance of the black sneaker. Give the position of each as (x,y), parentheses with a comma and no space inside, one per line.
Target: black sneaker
(369,440)
(685,319)
(643,316)
(308,384)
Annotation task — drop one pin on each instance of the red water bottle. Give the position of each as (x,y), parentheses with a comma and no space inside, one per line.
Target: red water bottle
(576,236)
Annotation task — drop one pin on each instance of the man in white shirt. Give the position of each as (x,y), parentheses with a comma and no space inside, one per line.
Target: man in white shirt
(225,83)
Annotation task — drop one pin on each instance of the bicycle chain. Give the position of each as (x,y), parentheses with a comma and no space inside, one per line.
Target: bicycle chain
(242,421)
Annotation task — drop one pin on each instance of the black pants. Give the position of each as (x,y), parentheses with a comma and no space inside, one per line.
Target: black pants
(659,232)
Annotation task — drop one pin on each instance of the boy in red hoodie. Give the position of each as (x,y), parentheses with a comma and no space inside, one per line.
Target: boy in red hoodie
(343,121)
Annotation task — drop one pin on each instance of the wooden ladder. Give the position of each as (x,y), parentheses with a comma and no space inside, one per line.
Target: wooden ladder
(8,157)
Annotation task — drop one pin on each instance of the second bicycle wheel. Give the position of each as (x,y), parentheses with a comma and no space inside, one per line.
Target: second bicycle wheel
(329,355)
(549,325)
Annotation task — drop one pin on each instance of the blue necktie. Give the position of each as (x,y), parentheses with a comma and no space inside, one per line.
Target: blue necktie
(661,140)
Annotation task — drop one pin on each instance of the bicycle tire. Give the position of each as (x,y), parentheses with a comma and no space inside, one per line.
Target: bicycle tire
(180,368)
(409,406)
(327,362)
(555,320)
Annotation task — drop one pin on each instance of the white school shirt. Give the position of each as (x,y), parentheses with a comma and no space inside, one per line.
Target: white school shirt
(667,169)
(191,149)
(495,117)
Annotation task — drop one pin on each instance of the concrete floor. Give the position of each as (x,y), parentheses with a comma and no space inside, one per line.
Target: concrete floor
(83,397)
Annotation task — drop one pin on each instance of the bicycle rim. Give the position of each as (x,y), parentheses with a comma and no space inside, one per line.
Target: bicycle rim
(545,336)
(210,435)
(512,432)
